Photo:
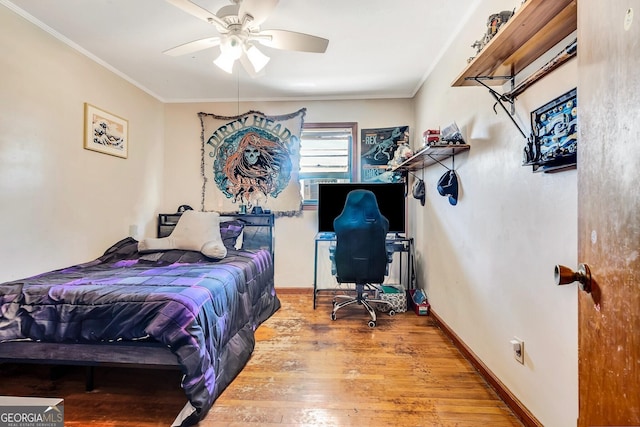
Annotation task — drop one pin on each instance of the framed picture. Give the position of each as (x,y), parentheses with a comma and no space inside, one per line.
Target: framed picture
(553,144)
(381,149)
(105,132)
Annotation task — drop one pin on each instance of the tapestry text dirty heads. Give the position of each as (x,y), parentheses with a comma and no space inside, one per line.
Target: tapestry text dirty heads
(252,160)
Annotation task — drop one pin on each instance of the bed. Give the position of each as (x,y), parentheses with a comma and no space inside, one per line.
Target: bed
(164,306)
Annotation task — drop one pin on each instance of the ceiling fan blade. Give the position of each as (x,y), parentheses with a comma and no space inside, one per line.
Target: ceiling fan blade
(193,46)
(199,12)
(258,9)
(290,40)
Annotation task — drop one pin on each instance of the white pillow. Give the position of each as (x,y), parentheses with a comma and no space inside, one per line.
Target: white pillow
(195,231)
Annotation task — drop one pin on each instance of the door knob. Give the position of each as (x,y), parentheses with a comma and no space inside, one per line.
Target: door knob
(564,276)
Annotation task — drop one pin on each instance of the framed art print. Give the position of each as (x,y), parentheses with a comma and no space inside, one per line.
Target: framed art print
(554,141)
(105,132)
(378,153)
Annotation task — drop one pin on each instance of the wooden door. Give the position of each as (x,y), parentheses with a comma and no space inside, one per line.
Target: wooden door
(609,211)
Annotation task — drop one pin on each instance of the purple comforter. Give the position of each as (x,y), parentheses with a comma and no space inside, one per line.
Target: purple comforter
(205,311)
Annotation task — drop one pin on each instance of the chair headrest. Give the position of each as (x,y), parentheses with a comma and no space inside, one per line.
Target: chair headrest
(360,206)
(363,201)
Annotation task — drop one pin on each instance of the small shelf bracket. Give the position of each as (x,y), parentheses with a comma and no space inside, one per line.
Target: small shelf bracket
(453,160)
(501,98)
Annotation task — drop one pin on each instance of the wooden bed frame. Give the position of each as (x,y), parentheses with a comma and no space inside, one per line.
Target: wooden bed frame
(150,355)
(153,355)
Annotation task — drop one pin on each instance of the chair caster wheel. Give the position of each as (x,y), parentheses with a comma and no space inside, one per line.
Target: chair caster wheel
(392,313)
(372,324)
(333,316)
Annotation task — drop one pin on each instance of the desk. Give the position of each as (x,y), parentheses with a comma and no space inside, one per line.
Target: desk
(402,246)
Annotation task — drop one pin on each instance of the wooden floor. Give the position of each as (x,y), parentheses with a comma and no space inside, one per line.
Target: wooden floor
(306,370)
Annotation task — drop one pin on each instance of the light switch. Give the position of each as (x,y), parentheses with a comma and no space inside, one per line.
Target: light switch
(518,349)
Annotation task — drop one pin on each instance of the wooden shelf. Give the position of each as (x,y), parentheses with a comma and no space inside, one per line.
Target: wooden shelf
(430,155)
(534,29)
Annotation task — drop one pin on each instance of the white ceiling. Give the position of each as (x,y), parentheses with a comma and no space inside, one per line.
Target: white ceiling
(377,48)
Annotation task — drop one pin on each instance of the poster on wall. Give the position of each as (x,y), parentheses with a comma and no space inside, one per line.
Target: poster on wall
(380,150)
(251,162)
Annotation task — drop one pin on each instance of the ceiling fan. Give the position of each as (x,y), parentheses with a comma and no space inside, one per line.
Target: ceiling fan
(239,28)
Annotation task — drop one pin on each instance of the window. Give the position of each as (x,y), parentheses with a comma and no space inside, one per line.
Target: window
(327,154)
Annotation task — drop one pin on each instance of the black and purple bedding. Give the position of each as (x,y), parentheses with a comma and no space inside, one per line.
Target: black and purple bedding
(204,311)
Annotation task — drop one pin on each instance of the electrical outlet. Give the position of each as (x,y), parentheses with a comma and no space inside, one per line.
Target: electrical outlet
(518,349)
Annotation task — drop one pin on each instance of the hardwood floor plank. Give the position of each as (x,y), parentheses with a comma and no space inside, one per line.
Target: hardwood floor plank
(306,370)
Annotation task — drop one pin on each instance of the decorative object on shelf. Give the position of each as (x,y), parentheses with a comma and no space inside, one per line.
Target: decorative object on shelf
(402,153)
(452,135)
(448,186)
(431,137)
(378,148)
(553,143)
(494,22)
(184,208)
(105,132)
(497,20)
(252,159)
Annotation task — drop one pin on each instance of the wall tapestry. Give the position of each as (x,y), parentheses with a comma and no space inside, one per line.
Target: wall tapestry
(252,161)
(381,149)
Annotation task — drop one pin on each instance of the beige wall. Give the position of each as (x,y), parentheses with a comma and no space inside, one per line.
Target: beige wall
(62,204)
(487,263)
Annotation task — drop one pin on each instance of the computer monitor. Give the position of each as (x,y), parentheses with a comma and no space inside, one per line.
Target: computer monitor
(390,197)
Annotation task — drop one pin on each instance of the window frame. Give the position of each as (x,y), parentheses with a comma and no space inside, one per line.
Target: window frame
(353,152)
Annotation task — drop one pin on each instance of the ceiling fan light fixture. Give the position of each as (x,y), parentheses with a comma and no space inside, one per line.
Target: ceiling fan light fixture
(239,27)
(225,62)
(258,59)
(231,48)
